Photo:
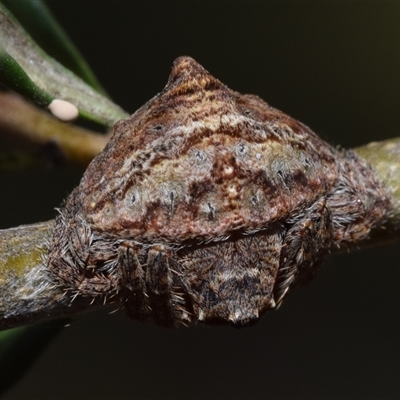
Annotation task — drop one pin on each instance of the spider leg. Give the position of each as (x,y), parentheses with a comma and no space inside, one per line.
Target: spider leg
(132,275)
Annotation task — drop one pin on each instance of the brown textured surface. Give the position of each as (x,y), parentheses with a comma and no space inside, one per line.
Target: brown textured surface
(199,161)
(209,205)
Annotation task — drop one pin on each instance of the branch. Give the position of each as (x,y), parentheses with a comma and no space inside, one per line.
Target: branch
(384,158)
(27,69)
(41,25)
(78,145)
(26,294)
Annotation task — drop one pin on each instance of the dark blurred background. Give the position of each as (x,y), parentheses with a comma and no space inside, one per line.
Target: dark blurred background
(332,65)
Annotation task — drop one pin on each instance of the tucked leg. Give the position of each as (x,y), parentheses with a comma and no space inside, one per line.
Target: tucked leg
(132,274)
(166,297)
(304,246)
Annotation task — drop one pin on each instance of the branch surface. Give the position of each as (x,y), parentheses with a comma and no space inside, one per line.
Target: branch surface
(78,145)
(26,295)
(27,69)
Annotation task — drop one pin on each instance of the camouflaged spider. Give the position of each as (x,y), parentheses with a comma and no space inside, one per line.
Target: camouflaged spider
(209,205)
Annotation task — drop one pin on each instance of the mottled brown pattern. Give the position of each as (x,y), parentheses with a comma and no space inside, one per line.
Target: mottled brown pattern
(209,205)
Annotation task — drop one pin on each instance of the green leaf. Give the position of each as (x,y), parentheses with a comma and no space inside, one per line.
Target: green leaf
(28,70)
(13,76)
(39,22)
(20,347)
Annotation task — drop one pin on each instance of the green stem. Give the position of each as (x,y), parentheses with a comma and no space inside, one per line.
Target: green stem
(12,75)
(384,158)
(26,295)
(40,23)
(27,69)
(79,146)
(20,348)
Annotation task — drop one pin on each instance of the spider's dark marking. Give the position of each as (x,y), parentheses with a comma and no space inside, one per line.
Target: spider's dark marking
(209,205)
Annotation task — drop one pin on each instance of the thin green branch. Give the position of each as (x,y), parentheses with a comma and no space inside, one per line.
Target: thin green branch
(26,295)
(27,69)
(384,158)
(78,145)
(40,23)
(20,348)
(12,75)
